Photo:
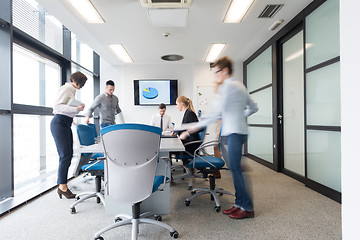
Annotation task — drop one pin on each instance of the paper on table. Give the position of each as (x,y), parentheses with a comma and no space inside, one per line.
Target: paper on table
(74,102)
(184,126)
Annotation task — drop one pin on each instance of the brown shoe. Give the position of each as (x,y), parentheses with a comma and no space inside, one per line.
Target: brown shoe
(68,194)
(242,214)
(231,210)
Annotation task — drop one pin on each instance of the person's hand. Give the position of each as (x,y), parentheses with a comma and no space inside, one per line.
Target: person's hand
(172,134)
(184,135)
(87,120)
(81,107)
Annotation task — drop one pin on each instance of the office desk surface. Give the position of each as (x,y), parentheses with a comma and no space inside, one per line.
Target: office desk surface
(166,145)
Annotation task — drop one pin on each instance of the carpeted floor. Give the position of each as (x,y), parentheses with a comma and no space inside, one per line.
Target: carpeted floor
(284,209)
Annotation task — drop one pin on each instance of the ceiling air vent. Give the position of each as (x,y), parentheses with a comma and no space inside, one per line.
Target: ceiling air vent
(166,3)
(270,10)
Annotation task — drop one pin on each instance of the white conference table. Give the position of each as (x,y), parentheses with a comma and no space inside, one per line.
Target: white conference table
(159,201)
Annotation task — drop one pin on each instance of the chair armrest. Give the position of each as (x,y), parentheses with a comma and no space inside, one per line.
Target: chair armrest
(192,142)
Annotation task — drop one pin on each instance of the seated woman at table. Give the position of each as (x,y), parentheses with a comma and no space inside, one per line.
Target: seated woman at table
(185,104)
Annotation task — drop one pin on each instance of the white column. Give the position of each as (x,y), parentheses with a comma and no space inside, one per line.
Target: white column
(350,117)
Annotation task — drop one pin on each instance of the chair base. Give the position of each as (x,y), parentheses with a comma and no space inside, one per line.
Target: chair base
(189,174)
(212,191)
(86,195)
(135,220)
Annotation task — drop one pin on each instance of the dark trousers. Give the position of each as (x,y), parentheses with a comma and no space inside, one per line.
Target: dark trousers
(242,197)
(61,130)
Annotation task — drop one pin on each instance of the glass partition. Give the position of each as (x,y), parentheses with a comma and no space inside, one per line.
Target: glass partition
(324,158)
(260,143)
(323,96)
(259,71)
(323,33)
(264,100)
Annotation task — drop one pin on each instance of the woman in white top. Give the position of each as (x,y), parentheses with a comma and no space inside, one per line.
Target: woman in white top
(232,105)
(61,128)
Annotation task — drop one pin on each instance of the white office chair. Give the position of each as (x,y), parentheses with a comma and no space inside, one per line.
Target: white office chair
(131,152)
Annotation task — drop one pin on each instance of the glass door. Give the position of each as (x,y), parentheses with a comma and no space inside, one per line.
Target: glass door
(292,117)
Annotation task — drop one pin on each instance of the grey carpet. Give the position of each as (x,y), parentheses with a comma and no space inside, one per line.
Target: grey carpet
(284,209)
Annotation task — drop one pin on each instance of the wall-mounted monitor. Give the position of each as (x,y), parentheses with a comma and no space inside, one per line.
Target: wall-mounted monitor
(152,92)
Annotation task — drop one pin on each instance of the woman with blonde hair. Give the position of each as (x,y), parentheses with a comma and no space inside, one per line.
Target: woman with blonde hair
(185,104)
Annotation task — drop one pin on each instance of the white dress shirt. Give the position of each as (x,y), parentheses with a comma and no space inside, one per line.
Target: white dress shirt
(64,94)
(232,105)
(156,119)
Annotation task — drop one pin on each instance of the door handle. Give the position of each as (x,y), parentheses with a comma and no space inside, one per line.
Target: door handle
(280,118)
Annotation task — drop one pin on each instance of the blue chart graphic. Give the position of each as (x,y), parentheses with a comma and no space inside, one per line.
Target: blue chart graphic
(150,93)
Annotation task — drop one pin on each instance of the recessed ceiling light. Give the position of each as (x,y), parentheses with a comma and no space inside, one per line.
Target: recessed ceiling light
(214,52)
(87,10)
(172,57)
(121,52)
(237,10)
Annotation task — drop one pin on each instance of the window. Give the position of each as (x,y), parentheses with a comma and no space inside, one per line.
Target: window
(35,154)
(31,18)
(81,53)
(35,78)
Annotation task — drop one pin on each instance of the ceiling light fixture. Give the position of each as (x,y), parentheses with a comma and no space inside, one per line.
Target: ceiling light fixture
(214,52)
(121,52)
(87,10)
(237,10)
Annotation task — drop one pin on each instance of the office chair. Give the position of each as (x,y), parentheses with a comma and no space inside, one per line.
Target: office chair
(186,157)
(89,163)
(131,152)
(208,165)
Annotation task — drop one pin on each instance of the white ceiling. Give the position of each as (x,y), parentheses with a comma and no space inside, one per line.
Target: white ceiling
(127,23)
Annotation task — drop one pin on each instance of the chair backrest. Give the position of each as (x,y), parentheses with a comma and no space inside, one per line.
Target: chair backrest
(131,152)
(85,134)
(93,126)
(202,134)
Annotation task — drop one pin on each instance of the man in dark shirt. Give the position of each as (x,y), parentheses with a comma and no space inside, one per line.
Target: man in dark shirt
(108,105)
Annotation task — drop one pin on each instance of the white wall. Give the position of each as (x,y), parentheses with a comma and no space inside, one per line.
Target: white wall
(124,76)
(350,115)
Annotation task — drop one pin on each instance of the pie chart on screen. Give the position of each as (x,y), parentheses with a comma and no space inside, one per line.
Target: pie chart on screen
(150,93)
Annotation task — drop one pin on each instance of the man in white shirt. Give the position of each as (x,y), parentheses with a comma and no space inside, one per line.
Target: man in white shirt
(160,119)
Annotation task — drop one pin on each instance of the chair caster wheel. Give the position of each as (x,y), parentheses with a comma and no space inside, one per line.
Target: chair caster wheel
(118,219)
(189,187)
(193,192)
(174,234)
(217,209)
(72,210)
(158,218)
(99,238)
(221,194)
(77,198)
(187,203)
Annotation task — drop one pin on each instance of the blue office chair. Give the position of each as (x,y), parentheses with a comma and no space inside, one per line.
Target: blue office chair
(186,157)
(89,163)
(208,165)
(131,152)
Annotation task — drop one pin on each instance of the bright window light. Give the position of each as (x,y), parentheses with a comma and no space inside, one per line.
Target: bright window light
(121,52)
(214,52)
(87,10)
(237,10)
